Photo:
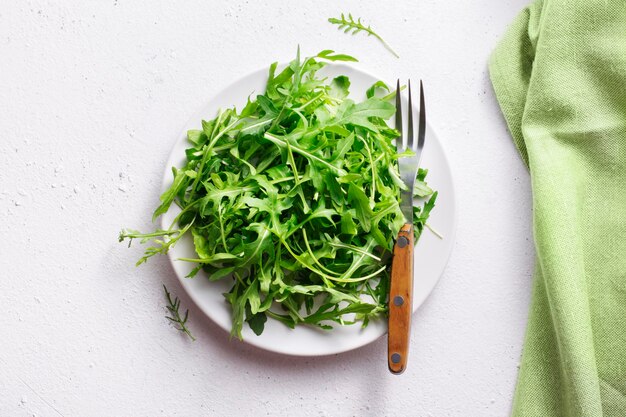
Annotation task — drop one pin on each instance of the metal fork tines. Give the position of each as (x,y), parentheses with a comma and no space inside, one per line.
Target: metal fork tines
(410,164)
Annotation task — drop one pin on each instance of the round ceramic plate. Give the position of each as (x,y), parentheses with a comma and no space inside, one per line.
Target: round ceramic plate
(431,252)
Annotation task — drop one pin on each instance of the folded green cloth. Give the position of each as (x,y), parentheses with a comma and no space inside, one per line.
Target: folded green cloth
(560,77)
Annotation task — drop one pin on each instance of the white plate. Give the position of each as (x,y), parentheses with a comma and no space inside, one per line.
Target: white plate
(431,253)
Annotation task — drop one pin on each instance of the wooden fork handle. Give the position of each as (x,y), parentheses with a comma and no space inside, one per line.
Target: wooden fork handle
(400,296)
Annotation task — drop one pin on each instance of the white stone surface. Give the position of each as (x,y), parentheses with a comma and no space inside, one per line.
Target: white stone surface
(92,96)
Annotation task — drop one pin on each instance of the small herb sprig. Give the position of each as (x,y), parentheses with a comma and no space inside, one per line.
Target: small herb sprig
(173,307)
(353,27)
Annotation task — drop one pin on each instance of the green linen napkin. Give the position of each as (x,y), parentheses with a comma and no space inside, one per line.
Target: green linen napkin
(560,77)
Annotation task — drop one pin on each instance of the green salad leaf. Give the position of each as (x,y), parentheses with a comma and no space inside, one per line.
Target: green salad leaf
(352,26)
(294,199)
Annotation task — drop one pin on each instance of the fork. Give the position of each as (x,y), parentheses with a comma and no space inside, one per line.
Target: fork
(401,291)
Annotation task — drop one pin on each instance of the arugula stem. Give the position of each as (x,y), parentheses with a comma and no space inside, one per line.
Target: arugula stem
(305,105)
(221,220)
(124,234)
(321,274)
(292,162)
(183,211)
(306,242)
(436,233)
(355,249)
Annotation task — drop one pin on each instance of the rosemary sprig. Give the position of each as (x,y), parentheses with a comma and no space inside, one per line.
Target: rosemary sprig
(175,317)
(353,27)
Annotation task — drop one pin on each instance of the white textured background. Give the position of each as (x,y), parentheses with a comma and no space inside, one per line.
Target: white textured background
(92,96)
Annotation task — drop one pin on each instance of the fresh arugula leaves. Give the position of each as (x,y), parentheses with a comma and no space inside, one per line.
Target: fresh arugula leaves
(295,200)
(349,25)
